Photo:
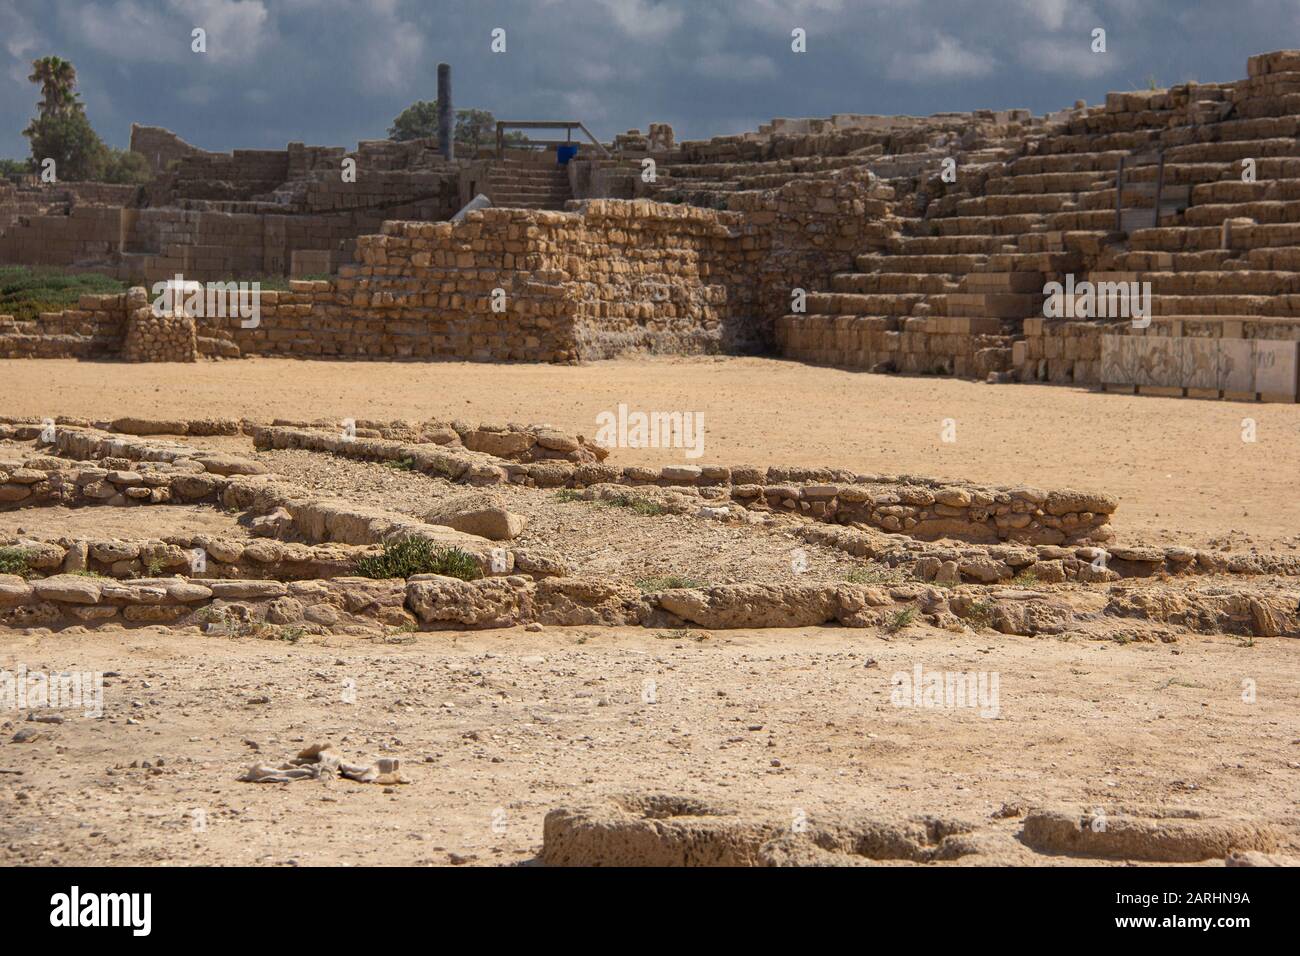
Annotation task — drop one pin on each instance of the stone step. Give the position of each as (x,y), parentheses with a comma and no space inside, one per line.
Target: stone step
(1277,305)
(985,225)
(885,303)
(1150,261)
(996,305)
(1216,282)
(897,282)
(948,264)
(945,245)
(1040,183)
(1016,205)
(1268,212)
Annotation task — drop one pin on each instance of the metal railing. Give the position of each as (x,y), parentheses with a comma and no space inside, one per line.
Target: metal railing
(567,125)
(1163,200)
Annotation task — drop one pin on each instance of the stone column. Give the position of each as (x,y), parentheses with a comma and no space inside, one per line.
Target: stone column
(446,115)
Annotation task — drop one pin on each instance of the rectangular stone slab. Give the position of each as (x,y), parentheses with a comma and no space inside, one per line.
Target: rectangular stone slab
(1237,365)
(1118,359)
(1200,363)
(1159,360)
(1275,368)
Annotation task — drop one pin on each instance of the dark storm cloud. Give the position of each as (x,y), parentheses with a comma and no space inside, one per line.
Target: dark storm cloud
(336,71)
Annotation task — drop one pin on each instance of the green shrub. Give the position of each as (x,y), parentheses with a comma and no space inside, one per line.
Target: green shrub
(25,293)
(979,614)
(873,575)
(14,561)
(641,506)
(667,583)
(900,619)
(411,554)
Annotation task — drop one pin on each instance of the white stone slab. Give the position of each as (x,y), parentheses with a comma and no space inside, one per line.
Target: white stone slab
(1275,367)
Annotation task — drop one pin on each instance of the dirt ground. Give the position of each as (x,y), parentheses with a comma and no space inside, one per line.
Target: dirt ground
(1180,467)
(496,728)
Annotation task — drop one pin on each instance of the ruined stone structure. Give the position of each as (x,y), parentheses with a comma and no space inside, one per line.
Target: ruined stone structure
(919,245)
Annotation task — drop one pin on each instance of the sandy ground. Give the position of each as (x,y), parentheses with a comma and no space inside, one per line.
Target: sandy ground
(130,525)
(496,728)
(1180,467)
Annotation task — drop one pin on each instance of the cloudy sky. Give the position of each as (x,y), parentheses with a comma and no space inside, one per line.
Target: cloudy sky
(333,72)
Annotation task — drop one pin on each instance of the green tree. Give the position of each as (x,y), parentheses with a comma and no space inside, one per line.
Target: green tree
(58,80)
(124,166)
(13,168)
(69,140)
(61,131)
(473,127)
(417,121)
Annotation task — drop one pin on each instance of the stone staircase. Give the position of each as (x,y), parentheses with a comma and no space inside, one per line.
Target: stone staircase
(951,291)
(521,185)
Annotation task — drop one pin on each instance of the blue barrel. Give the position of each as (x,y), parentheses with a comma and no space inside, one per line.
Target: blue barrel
(565,153)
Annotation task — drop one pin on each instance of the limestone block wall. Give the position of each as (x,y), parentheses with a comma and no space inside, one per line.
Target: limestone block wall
(653,277)
(161,146)
(947,345)
(96,327)
(165,337)
(510,284)
(1246,359)
(88,233)
(801,233)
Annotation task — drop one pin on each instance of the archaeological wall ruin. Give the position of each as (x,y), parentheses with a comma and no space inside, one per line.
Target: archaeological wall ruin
(919,245)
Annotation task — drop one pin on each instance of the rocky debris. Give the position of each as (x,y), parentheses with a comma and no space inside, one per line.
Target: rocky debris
(1167,839)
(656,829)
(275,524)
(319,760)
(478,513)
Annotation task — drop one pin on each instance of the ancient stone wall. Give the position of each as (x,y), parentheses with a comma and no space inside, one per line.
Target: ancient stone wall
(161,147)
(94,329)
(1239,358)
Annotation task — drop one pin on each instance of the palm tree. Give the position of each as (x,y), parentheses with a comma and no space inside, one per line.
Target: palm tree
(58,79)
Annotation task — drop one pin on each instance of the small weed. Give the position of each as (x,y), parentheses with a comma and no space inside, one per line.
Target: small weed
(411,554)
(872,575)
(1026,579)
(979,614)
(641,506)
(667,583)
(900,619)
(401,464)
(1248,641)
(14,561)
(682,634)
(569,494)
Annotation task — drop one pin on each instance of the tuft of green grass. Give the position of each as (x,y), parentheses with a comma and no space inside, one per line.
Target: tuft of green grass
(411,554)
(26,292)
(641,506)
(401,464)
(1027,578)
(14,561)
(633,503)
(667,583)
(900,619)
(872,575)
(979,614)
